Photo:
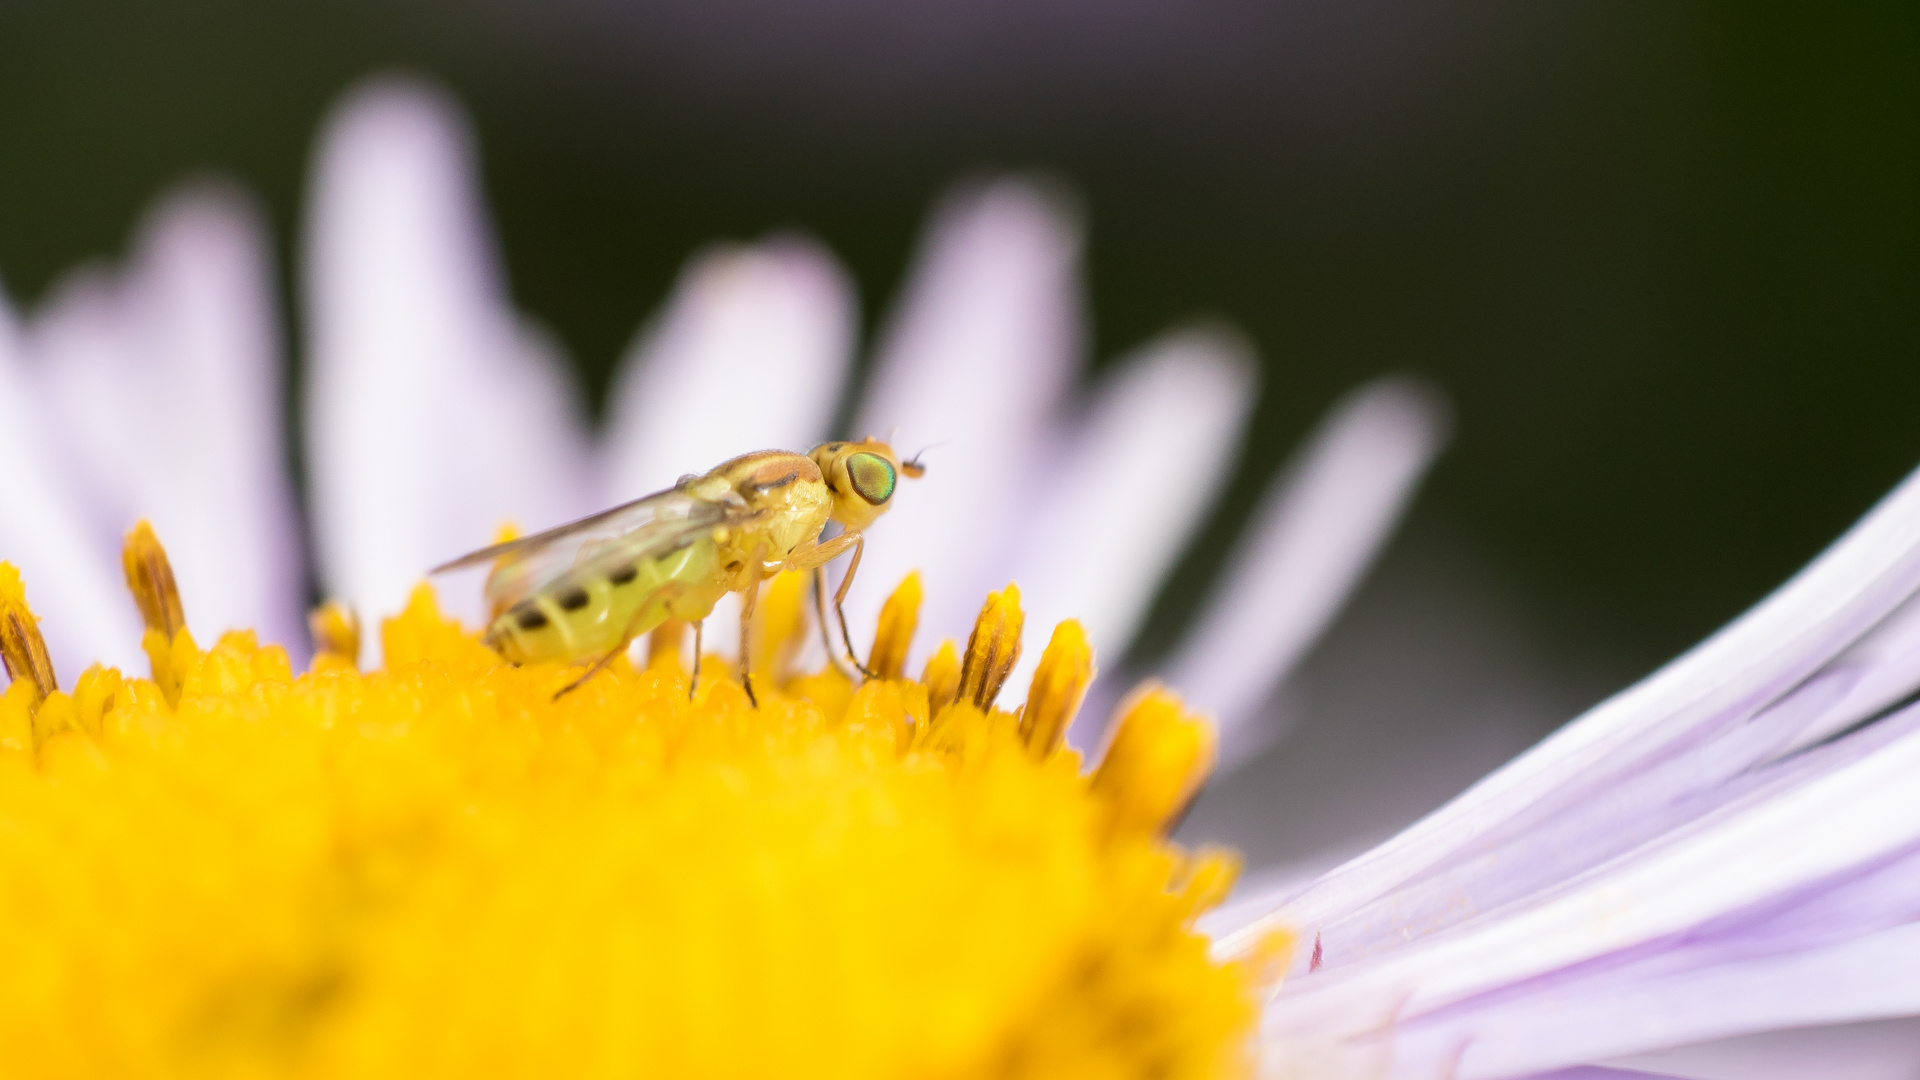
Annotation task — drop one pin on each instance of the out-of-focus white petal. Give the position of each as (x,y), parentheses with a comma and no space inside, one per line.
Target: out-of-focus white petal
(1139,471)
(434,413)
(164,383)
(986,339)
(749,354)
(1310,541)
(72,577)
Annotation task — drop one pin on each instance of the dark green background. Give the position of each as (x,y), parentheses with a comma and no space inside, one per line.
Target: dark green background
(1662,256)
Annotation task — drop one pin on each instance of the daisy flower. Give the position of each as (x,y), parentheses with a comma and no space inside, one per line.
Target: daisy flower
(414,860)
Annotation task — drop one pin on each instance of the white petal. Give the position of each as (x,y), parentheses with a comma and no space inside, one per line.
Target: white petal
(72,577)
(434,413)
(1310,541)
(750,354)
(1138,473)
(1870,1050)
(165,382)
(1721,683)
(987,338)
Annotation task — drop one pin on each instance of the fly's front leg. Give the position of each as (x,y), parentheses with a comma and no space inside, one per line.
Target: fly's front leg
(820,617)
(840,602)
(816,558)
(748,598)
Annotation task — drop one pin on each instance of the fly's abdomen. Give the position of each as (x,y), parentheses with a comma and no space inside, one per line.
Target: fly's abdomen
(587,614)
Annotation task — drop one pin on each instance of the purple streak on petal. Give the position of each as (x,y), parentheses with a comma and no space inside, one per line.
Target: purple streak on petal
(1141,467)
(434,413)
(749,354)
(72,576)
(1313,537)
(1753,662)
(165,380)
(985,340)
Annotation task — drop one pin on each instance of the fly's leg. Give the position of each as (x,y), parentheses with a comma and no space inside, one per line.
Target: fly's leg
(693,683)
(815,558)
(626,639)
(820,616)
(840,602)
(748,597)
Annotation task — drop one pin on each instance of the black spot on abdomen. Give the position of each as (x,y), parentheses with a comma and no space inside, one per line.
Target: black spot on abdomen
(624,574)
(530,617)
(572,599)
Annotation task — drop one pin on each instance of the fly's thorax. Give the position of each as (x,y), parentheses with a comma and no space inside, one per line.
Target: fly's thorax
(789,502)
(602,606)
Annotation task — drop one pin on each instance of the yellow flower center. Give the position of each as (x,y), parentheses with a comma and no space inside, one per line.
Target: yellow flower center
(437,869)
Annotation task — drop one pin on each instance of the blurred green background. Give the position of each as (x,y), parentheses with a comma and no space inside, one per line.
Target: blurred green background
(1665,258)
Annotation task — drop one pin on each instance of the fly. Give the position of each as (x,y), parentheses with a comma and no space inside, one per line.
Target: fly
(588,588)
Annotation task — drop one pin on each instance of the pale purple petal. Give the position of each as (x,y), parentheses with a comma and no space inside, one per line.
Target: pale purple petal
(72,576)
(1726,680)
(1138,472)
(434,413)
(164,382)
(1310,541)
(986,339)
(1869,1050)
(750,353)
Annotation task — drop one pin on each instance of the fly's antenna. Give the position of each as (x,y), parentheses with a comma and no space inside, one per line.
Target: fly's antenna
(913,466)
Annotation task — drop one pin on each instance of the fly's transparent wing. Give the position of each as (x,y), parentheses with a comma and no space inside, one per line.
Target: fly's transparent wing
(646,527)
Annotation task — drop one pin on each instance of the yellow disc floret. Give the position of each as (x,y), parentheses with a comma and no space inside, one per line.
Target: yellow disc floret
(437,869)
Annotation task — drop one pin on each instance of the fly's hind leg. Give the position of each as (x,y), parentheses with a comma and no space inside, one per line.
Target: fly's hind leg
(626,639)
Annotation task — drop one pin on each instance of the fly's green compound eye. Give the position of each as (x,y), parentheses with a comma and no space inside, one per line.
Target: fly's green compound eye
(872,477)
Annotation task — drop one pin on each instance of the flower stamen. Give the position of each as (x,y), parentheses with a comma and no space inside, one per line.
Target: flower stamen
(942,677)
(150,579)
(1059,685)
(336,635)
(993,648)
(899,618)
(22,648)
(1159,756)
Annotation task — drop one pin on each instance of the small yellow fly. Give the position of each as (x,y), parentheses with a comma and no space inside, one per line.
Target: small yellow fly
(590,587)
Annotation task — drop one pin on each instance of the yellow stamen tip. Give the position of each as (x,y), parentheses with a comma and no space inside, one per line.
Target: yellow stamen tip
(1159,756)
(1059,685)
(336,635)
(899,618)
(22,648)
(993,648)
(942,677)
(150,578)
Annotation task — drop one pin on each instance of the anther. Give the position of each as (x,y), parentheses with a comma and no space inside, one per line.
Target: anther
(150,579)
(22,648)
(993,648)
(336,632)
(1059,685)
(942,678)
(899,618)
(1156,762)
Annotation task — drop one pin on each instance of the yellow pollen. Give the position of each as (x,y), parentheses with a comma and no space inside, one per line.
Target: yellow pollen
(150,579)
(993,648)
(436,869)
(336,635)
(899,618)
